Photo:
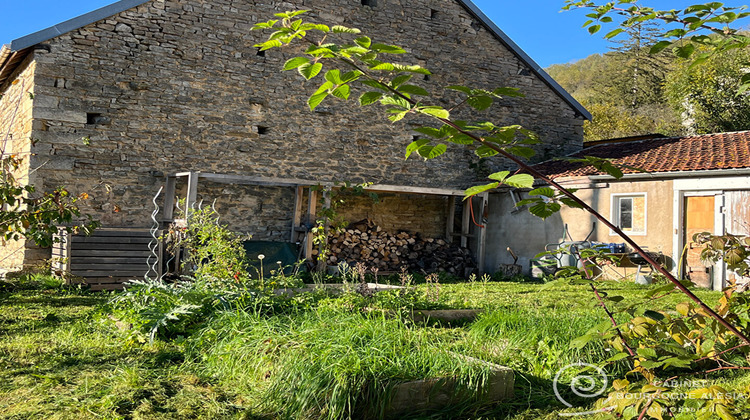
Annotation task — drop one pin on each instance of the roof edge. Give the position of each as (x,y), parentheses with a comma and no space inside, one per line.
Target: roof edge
(73,24)
(521,54)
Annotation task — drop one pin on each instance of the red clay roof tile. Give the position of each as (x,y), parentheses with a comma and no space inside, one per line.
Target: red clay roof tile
(692,153)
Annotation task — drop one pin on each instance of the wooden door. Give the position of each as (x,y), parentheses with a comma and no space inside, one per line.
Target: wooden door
(699,217)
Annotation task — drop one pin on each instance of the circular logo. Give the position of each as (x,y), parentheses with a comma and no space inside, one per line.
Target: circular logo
(586,384)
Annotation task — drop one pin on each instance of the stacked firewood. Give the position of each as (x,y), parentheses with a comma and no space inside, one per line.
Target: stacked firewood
(367,243)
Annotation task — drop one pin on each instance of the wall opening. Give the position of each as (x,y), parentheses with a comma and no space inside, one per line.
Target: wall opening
(371,3)
(434,14)
(261,53)
(93,118)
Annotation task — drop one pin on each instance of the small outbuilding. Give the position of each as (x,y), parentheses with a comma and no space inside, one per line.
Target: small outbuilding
(672,188)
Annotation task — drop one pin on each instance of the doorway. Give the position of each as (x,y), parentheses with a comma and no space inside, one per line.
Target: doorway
(699,217)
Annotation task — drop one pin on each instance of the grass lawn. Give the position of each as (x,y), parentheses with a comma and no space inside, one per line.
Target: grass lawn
(62,356)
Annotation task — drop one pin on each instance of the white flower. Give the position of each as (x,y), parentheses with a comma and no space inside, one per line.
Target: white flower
(261,256)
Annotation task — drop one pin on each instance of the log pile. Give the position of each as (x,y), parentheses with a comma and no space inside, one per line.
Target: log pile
(365,242)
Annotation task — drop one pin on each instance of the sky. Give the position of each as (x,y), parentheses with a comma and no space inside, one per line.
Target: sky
(548,35)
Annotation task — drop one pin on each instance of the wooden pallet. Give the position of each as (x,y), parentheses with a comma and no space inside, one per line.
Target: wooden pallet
(105,259)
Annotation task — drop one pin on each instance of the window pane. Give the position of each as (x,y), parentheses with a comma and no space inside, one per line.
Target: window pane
(626,213)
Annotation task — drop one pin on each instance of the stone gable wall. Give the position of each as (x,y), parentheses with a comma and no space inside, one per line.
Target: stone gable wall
(15,139)
(176,85)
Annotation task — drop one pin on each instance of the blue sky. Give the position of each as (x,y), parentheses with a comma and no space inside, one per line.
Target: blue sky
(546,34)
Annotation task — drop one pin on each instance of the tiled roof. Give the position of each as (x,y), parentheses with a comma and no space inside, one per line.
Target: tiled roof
(673,154)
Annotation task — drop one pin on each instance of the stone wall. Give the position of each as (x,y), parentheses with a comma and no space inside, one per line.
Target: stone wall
(15,139)
(414,213)
(176,85)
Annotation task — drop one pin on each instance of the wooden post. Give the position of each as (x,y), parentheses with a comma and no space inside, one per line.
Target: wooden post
(465,224)
(312,202)
(297,214)
(192,193)
(482,234)
(327,205)
(168,212)
(449,221)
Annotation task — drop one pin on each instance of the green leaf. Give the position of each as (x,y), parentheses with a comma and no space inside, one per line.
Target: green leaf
(581,342)
(647,353)
(316,99)
(414,90)
(431,152)
(656,316)
(524,152)
(334,76)
(685,51)
(461,138)
(383,67)
(723,412)
(544,191)
(351,76)
(480,189)
(659,46)
(430,131)
(369,98)
(375,84)
(435,111)
(341,92)
(544,210)
(315,26)
(520,181)
(363,42)
(480,103)
(387,49)
(344,30)
(499,176)
(485,151)
(400,80)
(398,115)
(308,71)
(618,356)
(594,29)
(463,89)
(269,44)
(413,146)
(295,62)
(614,33)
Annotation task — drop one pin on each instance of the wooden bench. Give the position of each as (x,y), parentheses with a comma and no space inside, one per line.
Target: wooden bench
(105,259)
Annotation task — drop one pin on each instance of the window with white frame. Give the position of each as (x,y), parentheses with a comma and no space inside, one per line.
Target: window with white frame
(629,212)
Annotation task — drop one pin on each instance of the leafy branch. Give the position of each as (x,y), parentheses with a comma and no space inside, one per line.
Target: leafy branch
(390,79)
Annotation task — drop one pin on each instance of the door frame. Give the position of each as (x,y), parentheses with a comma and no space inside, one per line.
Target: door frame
(680,196)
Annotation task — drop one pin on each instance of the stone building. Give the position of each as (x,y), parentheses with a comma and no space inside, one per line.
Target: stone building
(117,99)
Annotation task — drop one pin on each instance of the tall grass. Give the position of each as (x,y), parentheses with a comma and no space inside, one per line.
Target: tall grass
(332,367)
(533,340)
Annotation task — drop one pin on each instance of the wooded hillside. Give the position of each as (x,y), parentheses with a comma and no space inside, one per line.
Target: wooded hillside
(631,92)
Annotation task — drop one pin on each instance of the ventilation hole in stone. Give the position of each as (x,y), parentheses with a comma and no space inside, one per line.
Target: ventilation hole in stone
(524,71)
(262,130)
(371,3)
(261,53)
(476,25)
(93,118)
(433,14)
(427,77)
